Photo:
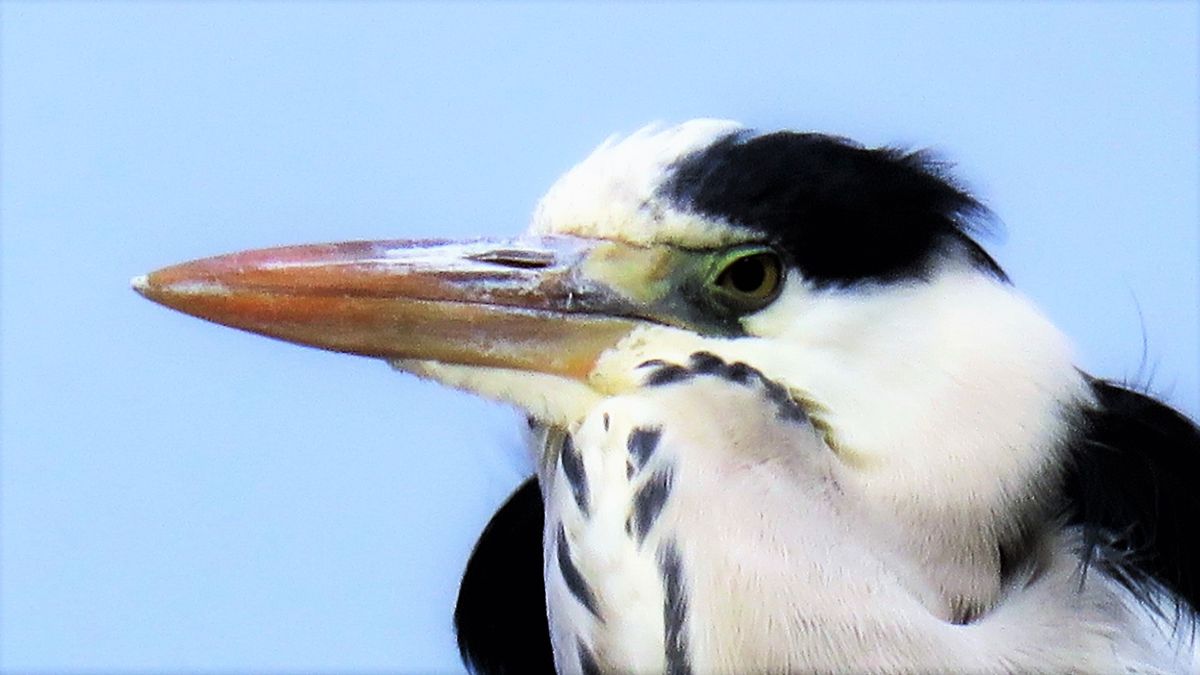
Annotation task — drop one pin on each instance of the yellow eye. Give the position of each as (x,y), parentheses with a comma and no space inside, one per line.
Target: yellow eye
(750,281)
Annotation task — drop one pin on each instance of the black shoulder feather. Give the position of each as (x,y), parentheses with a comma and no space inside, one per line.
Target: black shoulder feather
(1134,488)
(500,617)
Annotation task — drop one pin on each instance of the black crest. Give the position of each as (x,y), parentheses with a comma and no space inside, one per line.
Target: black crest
(844,213)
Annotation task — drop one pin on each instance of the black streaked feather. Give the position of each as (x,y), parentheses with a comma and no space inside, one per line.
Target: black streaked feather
(573,577)
(1134,487)
(642,442)
(675,611)
(500,617)
(587,661)
(668,374)
(706,363)
(649,500)
(572,464)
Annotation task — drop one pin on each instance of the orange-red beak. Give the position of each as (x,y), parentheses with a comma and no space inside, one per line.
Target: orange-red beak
(526,303)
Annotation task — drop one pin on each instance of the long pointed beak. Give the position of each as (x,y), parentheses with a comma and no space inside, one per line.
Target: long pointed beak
(526,303)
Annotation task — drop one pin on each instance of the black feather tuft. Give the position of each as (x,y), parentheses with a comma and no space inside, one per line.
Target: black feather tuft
(500,617)
(844,213)
(1132,487)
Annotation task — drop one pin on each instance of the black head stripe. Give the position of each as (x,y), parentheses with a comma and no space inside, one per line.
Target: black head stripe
(843,212)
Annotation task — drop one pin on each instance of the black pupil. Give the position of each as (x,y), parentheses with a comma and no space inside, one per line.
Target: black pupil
(747,275)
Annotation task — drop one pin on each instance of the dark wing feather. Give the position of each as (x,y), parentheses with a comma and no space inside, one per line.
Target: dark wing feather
(500,617)
(1134,487)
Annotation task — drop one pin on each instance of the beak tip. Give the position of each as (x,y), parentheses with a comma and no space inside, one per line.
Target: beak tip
(140,283)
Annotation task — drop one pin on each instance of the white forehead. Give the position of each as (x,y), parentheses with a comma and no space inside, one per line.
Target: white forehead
(613,193)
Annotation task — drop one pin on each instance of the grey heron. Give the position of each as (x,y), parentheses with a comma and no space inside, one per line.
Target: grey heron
(786,414)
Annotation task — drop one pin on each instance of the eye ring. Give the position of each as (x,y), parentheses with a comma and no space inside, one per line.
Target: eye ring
(748,279)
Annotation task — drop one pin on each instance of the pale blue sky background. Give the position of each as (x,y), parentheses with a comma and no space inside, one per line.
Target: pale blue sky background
(175,495)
